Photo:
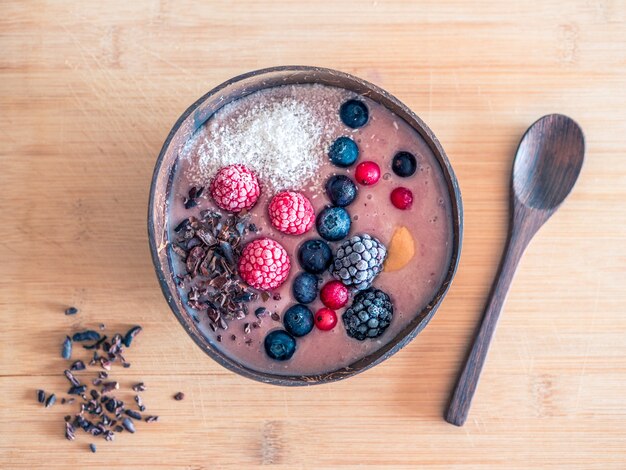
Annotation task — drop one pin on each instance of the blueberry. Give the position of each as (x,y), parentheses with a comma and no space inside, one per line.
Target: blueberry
(280,345)
(404,164)
(333,223)
(298,320)
(305,287)
(341,190)
(354,113)
(315,256)
(343,152)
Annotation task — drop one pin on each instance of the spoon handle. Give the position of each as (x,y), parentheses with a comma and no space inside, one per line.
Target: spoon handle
(468,379)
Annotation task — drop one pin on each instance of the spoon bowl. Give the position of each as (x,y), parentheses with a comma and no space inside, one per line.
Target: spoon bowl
(547,164)
(548,161)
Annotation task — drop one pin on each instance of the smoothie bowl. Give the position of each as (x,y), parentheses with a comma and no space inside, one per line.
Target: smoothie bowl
(304,224)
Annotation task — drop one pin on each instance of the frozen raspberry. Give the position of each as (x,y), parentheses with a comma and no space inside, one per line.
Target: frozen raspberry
(235,188)
(291,213)
(264,264)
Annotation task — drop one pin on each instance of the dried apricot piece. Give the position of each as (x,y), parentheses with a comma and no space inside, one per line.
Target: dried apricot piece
(401,250)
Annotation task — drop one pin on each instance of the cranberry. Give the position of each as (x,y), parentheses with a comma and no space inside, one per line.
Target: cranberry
(402,198)
(367,173)
(325,319)
(334,294)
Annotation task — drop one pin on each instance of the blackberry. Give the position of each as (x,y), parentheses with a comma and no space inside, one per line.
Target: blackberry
(358,261)
(369,315)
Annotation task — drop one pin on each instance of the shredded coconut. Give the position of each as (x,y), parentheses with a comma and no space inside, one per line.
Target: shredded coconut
(282,134)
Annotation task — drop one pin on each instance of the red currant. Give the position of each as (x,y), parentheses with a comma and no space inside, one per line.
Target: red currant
(367,173)
(402,198)
(325,319)
(334,294)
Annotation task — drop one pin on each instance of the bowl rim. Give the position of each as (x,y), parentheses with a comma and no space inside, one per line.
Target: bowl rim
(406,335)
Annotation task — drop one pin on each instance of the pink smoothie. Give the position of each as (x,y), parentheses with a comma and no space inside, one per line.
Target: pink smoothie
(428,220)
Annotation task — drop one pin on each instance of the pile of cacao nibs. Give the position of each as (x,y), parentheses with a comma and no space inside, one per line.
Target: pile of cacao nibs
(210,247)
(91,387)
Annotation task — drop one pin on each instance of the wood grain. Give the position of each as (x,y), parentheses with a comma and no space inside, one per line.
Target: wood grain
(88,93)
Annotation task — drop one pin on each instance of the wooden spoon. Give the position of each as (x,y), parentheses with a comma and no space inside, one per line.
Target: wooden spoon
(548,161)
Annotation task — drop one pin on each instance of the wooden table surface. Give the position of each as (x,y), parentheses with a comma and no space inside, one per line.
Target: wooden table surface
(88,93)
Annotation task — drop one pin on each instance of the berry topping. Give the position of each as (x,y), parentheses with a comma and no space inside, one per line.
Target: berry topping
(404,164)
(305,287)
(334,294)
(402,198)
(298,320)
(325,319)
(358,261)
(367,173)
(343,152)
(354,113)
(235,188)
(315,256)
(369,315)
(333,223)
(291,213)
(264,264)
(341,190)
(280,345)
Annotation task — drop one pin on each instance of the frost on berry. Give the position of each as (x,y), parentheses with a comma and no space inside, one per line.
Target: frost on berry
(291,213)
(358,261)
(235,188)
(264,264)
